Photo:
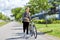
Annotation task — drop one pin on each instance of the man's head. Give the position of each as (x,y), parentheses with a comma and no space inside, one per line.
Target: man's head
(27,9)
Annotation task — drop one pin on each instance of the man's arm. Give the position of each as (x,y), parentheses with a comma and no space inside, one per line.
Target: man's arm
(29,17)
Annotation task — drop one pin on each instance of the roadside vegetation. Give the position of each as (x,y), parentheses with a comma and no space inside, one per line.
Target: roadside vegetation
(4,19)
(2,23)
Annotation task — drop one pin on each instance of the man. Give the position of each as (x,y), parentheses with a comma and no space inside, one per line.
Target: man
(26,20)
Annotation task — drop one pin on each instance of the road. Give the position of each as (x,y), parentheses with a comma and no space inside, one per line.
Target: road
(13,31)
(1,21)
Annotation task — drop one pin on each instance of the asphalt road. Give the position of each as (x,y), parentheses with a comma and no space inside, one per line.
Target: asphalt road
(14,31)
(1,21)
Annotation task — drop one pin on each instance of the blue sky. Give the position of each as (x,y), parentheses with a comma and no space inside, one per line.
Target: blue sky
(7,5)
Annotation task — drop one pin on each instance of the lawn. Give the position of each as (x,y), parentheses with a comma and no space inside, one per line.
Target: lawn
(52,29)
(2,23)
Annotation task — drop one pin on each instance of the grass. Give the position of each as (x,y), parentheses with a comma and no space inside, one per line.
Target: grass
(52,29)
(2,23)
(19,22)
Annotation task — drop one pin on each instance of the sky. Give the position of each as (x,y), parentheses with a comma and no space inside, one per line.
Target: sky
(7,5)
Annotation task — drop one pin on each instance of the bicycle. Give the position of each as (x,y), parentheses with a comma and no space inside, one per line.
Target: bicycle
(32,29)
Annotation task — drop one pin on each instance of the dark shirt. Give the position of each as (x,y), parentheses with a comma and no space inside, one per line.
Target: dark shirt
(26,15)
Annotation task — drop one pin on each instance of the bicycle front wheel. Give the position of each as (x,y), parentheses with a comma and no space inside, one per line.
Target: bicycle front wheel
(34,31)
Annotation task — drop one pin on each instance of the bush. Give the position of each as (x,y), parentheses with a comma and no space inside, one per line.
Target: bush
(42,21)
(56,22)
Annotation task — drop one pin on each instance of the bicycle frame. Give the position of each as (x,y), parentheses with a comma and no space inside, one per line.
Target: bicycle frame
(32,28)
(31,24)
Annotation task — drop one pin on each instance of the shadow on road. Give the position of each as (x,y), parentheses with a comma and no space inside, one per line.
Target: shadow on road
(19,34)
(42,33)
(15,38)
(38,33)
(21,37)
(17,29)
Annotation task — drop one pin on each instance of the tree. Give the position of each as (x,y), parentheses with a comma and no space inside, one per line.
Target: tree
(54,4)
(3,17)
(37,5)
(17,13)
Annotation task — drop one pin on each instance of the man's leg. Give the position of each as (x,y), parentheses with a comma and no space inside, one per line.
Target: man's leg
(24,27)
(27,27)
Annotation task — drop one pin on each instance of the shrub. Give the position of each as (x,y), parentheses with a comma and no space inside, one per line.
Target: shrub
(56,22)
(42,21)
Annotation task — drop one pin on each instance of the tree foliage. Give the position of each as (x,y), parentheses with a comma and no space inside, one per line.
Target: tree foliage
(3,17)
(37,5)
(17,12)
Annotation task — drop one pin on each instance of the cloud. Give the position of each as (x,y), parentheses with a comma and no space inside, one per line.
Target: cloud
(7,5)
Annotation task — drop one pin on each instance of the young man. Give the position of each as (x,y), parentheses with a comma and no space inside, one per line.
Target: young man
(26,20)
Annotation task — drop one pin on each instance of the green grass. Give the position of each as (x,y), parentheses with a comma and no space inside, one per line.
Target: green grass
(52,29)
(2,23)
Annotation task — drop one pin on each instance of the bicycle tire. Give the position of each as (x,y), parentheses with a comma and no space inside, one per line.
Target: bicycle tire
(35,32)
(32,32)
